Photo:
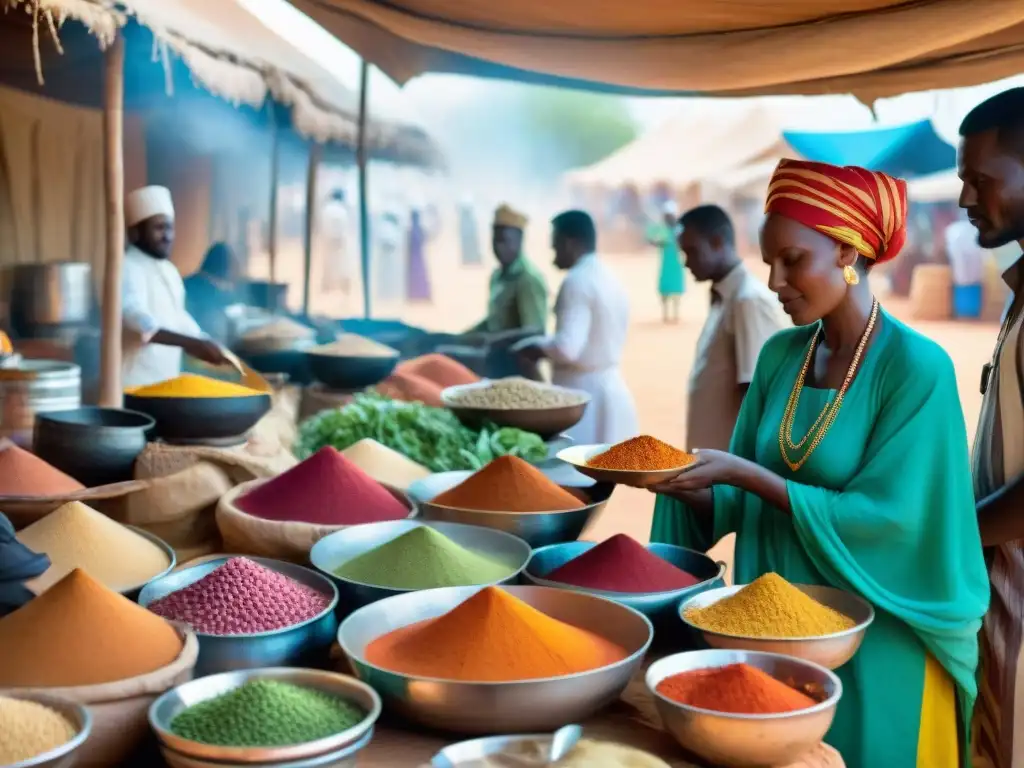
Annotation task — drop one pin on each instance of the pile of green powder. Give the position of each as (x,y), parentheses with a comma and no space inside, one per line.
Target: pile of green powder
(423,559)
(266,713)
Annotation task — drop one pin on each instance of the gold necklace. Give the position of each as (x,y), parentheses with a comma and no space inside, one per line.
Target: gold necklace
(830,411)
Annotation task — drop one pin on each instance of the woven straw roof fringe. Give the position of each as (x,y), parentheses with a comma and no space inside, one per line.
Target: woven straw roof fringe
(233,82)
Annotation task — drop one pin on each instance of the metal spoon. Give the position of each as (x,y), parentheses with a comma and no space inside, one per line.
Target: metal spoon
(564,740)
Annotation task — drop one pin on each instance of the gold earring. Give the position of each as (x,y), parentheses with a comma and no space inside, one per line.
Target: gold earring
(850,275)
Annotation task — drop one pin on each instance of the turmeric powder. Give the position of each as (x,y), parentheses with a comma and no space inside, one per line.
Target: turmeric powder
(192,386)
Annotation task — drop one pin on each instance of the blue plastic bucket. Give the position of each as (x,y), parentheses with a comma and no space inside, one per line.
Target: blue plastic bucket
(967,300)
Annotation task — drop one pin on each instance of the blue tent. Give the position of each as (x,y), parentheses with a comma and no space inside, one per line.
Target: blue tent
(906,151)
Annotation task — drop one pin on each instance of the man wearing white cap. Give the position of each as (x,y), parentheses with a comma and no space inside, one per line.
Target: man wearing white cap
(671,279)
(157,328)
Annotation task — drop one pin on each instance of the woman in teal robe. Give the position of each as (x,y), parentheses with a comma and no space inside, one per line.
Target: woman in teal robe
(671,277)
(881,503)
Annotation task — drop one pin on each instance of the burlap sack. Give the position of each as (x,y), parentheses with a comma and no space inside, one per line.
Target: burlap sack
(245,534)
(120,710)
(184,484)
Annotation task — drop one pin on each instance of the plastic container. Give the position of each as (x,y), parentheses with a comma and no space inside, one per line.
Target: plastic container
(968,301)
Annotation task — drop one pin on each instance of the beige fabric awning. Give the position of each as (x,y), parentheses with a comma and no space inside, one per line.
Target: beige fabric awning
(689,149)
(234,55)
(873,48)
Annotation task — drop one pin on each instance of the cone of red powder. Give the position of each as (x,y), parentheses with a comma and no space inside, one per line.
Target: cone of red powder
(325,489)
(622,564)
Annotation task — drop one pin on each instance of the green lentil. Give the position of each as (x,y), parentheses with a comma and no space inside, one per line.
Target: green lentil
(423,558)
(266,713)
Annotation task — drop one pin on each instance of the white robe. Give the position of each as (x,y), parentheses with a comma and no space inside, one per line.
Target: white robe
(592,321)
(153,299)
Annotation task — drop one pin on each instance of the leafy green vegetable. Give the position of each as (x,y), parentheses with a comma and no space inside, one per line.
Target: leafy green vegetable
(433,437)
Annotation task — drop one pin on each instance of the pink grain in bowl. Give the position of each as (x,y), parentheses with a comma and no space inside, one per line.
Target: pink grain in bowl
(241,597)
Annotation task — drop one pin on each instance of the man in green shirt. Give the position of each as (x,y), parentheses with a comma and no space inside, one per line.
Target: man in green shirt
(518,301)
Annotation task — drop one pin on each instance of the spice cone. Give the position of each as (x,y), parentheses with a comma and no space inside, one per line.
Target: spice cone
(509,484)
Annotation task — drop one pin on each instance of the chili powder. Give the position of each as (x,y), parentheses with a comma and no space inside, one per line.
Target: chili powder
(738,689)
(325,489)
(622,564)
(509,484)
(642,453)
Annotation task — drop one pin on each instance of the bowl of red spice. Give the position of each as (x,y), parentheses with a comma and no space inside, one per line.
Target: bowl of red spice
(249,612)
(495,659)
(652,578)
(744,709)
(514,496)
(639,462)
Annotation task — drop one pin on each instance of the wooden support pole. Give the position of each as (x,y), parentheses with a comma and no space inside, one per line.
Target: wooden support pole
(110,394)
(275,170)
(364,206)
(311,205)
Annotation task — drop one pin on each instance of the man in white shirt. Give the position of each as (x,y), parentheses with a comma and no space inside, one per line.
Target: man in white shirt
(157,328)
(966,257)
(744,313)
(592,321)
(340,266)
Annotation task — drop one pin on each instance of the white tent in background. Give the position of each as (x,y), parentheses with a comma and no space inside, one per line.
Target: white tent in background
(689,148)
(943,187)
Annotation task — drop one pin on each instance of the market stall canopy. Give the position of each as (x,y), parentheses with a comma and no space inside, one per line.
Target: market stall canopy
(906,151)
(688,149)
(873,48)
(228,50)
(944,187)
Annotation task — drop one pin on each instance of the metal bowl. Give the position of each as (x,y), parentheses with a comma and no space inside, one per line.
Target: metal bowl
(305,644)
(546,422)
(63,756)
(538,529)
(659,607)
(513,707)
(201,418)
(579,455)
(350,372)
(746,741)
(455,755)
(340,547)
(830,651)
(168,706)
(132,593)
(345,757)
(96,446)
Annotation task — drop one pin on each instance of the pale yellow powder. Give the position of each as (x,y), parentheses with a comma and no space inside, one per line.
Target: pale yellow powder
(28,729)
(77,536)
(354,345)
(384,464)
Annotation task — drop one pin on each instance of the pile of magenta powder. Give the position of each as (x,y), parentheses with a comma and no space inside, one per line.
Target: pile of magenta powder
(241,597)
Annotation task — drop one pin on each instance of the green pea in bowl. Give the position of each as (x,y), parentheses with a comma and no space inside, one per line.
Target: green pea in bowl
(167,707)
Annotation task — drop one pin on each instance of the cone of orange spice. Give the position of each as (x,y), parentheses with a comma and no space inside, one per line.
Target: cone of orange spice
(642,454)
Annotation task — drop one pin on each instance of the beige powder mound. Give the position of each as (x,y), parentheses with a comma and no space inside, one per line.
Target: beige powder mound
(77,536)
(28,729)
(354,345)
(384,464)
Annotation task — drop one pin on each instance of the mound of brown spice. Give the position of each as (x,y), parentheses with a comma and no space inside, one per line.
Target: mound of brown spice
(25,474)
(642,453)
(509,484)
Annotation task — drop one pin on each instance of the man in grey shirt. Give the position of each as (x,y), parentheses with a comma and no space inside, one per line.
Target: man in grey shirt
(743,314)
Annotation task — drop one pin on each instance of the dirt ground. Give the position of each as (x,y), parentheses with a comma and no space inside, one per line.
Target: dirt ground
(658,357)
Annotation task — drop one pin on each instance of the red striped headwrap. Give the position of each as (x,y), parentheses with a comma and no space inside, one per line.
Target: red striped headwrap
(862,208)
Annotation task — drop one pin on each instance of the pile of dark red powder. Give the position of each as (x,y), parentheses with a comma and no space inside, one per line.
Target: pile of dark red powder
(241,597)
(622,564)
(325,489)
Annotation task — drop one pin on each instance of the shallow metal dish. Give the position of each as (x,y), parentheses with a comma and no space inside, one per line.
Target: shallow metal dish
(338,548)
(538,529)
(342,373)
(302,644)
(746,741)
(830,651)
(514,707)
(63,756)
(578,455)
(546,422)
(132,593)
(201,418)
(659,607)
(346,757)
(455,755)
(172,703)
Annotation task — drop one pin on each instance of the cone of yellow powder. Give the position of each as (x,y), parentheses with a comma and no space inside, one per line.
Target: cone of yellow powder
(77,536)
